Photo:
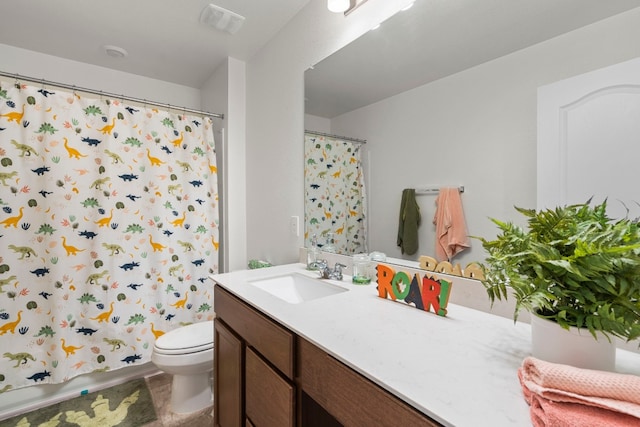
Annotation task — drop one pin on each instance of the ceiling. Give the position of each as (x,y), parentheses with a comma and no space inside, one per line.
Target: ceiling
(164,38)
(437,38)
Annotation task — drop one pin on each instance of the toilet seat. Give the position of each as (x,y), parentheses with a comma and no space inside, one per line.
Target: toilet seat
(193,338)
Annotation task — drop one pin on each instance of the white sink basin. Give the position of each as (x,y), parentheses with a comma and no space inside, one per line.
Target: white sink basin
(295,288)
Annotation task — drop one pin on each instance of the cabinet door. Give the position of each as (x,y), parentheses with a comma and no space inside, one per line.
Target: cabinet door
(269,397)
(348,396)
(227,377)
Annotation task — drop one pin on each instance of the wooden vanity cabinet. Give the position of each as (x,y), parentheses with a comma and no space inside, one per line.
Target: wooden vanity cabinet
(266,376)
(254,367)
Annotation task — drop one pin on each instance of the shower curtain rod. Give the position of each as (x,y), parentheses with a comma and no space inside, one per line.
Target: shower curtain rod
(346,138)
(110,95)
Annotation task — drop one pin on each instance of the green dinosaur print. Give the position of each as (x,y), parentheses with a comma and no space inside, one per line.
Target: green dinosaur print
(93,279)
(47,128)
(87,298)
(174,269)
(114,343)
(114,157)
(204,307)
(25,150)
(6,281)
(136,319)
(23,251)
(172,188)
(115,249)
(201,229)
(198,151)
(134,228)
(19,358)
(90,202)
(46,229)
(97,184)
(186,245)
(7,175)
(134,142)
(47,331)
(184,165)
(93,110)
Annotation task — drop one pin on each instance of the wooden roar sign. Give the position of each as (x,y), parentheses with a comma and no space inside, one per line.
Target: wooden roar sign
(426,293)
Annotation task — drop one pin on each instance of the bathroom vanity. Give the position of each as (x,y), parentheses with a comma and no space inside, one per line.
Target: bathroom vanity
(347,357)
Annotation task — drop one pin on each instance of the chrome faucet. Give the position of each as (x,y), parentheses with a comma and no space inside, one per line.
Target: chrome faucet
(332,274)
(317,265)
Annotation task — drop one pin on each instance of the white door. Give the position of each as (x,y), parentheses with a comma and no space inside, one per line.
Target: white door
(589,140)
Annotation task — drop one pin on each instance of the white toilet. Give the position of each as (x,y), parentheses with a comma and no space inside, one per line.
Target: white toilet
(187,354)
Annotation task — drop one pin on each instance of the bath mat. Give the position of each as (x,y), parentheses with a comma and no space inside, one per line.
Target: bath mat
(124,405)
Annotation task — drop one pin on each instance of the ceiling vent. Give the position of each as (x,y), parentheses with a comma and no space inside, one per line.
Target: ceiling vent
(221,19)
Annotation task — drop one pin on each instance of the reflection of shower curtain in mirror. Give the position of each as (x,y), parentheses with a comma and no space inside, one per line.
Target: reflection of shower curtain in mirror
(334,193)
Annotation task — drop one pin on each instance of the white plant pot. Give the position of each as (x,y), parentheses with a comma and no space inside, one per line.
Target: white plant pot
(575,347)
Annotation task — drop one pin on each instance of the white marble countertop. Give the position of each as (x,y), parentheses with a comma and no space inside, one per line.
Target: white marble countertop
(459,370)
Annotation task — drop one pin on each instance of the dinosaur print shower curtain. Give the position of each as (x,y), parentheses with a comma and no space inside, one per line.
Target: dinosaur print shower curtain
(335,204)
(108,231)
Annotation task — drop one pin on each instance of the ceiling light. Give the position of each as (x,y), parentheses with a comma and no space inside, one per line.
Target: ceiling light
(221,19)
(338,6)
(115,51)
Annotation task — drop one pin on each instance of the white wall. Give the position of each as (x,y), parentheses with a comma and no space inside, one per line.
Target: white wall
(60,70)
(476,128)
(236,197)
(225,91)
(317,124)
(275,120)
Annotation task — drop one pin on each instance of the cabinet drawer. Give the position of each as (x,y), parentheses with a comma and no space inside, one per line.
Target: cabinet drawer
(271,340)
(351,398)
(269,397)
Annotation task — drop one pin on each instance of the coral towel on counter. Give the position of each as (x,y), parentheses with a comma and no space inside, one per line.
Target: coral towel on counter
(451,229)
(562,395)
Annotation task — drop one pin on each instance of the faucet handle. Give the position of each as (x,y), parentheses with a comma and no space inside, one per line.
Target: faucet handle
(338,267)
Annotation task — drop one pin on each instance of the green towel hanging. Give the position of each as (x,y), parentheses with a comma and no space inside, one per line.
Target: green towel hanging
(409,222)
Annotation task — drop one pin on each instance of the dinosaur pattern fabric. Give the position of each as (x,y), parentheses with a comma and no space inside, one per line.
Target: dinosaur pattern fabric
(108,231)
(334,194)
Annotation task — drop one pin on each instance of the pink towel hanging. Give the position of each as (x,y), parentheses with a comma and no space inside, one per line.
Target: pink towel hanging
(451,229)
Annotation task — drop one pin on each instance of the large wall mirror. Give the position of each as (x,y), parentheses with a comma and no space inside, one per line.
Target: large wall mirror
(444,93)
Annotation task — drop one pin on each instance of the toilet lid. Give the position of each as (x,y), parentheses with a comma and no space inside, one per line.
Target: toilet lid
(186,339)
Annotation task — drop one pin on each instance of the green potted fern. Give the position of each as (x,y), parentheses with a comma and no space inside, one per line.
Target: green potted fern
(574,267)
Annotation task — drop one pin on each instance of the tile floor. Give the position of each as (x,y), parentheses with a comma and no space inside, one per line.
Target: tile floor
(160,387)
